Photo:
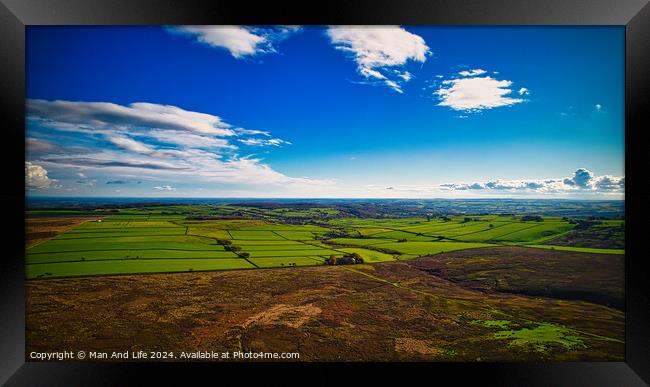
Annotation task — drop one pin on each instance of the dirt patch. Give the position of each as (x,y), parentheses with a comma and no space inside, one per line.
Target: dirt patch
(41,229)
(292,316)
(422,347)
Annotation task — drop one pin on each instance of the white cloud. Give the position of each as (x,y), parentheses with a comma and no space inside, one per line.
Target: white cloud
(609,183)
(585,179)
(111,160)
(524,91)
(476,93)
(470,73)
(165,188)
(252,132)
(240,41)
(264,142)
(598,106)
(36,177)
(377,49)
(129,144)
(582,180)
(189,139)
(98,116)
(159,141)
(406,76)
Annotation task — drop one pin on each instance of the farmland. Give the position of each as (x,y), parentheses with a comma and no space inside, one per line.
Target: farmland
(278,277)
(186,238)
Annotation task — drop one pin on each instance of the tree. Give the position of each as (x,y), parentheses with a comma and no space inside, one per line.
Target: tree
(232,248)
(345,260)
(534,218)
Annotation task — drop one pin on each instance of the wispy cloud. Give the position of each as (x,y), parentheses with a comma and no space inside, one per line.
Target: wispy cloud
(100,116)
(240,41)
(87,182)
(473,92)
(129,144)
(190,140)
(378,51)
(470,73)
(165,188)
(264,142)
(35,145)
(165,142)
(252,132)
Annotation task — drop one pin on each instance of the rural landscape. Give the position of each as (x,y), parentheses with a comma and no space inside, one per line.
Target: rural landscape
(324,280)
(325,193)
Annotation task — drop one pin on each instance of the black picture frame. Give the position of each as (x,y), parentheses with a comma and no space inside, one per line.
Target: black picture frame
(16,14)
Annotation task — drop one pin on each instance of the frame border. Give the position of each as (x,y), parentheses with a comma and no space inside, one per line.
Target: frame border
(633,14)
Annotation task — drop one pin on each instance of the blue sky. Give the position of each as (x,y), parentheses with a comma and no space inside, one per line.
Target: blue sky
(283,111)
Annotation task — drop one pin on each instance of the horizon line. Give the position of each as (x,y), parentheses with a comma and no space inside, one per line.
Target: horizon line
(303,198)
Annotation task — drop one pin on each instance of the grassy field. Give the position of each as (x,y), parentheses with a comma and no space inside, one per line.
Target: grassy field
(180,238)
(69,269)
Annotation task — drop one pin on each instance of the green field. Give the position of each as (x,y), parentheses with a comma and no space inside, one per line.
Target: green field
(180,238)
(68,269)
(370,255)
(419,248)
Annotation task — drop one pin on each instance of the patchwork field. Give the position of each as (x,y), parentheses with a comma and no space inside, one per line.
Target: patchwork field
(228,278)
(155,239)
